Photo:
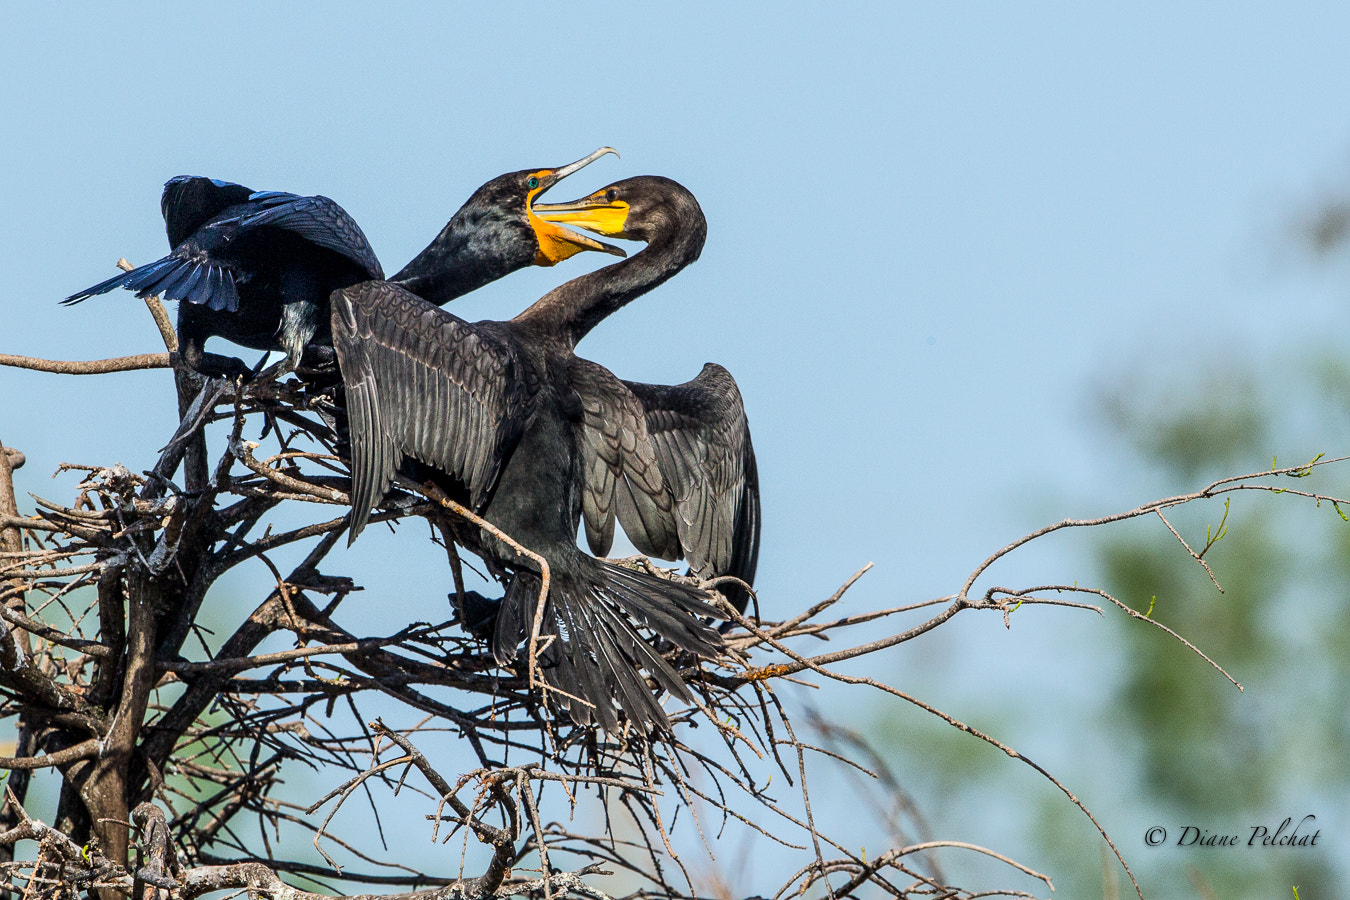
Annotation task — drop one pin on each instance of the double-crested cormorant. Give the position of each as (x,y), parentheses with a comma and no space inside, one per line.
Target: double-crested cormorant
(257,268)
(532,434)
(705,505)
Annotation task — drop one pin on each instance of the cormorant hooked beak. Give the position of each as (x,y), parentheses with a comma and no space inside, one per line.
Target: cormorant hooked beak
(555,242)
(601,213)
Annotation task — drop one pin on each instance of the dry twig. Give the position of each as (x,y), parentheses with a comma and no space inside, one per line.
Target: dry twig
(115,687)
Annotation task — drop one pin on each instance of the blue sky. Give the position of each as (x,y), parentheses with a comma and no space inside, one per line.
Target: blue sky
(934,230)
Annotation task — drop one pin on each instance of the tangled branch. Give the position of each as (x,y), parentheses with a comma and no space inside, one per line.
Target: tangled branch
(172,745)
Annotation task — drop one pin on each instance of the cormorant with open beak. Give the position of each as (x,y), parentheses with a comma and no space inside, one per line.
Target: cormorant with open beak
(529,435)
(257,268)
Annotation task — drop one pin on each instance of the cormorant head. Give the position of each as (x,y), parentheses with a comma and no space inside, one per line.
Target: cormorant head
(502,211)
(645,208)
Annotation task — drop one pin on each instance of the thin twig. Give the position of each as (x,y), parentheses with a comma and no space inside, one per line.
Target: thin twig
(1195,556)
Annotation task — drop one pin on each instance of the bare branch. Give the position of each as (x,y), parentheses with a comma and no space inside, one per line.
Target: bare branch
(88,367)
(86,750)
(101,602)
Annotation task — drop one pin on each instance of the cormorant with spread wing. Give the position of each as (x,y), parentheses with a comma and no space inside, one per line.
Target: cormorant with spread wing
(534,435)
(257,268)
(705,506)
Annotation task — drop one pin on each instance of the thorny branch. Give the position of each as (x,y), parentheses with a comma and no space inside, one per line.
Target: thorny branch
(172,744)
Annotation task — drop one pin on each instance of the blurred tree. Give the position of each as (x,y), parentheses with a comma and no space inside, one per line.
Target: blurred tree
(1168,740)
(1171,741)
(1207,754)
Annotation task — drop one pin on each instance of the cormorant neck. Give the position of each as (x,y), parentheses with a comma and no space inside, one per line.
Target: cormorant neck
(570,311)
(458,261)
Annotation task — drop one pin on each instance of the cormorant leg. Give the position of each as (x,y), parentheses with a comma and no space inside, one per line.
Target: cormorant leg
(212,365)
(477,614)
(318,359)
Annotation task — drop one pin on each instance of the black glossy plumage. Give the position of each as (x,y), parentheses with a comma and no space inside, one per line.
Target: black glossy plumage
(424,384)
(190,202)
(255,268)
(705,507)
(494,234)
(489,237)
(674,463)
(502,407)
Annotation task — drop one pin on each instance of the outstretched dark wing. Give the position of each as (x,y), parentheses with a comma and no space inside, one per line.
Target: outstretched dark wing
(173,278)
(619,466)
(422,383)
(701,440)
(217,232)
(190,201)
(316,219)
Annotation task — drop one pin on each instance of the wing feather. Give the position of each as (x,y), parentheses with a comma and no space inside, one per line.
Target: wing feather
(619,466)
(317,219)
(701,441)
(403,362)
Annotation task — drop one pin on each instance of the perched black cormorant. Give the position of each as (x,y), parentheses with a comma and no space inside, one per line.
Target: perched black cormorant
(705,506)
(257,268)
(533,434)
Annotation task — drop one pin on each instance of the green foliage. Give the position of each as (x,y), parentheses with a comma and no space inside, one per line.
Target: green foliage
(1218,426)
(1172,697)
(1172,742)
(1207,753)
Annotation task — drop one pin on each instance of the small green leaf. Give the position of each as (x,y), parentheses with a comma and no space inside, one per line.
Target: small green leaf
(1215,534)
(1307,470)
(1153,601)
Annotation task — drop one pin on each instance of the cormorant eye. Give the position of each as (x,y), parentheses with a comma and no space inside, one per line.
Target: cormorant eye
(532,183)
(611,195)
